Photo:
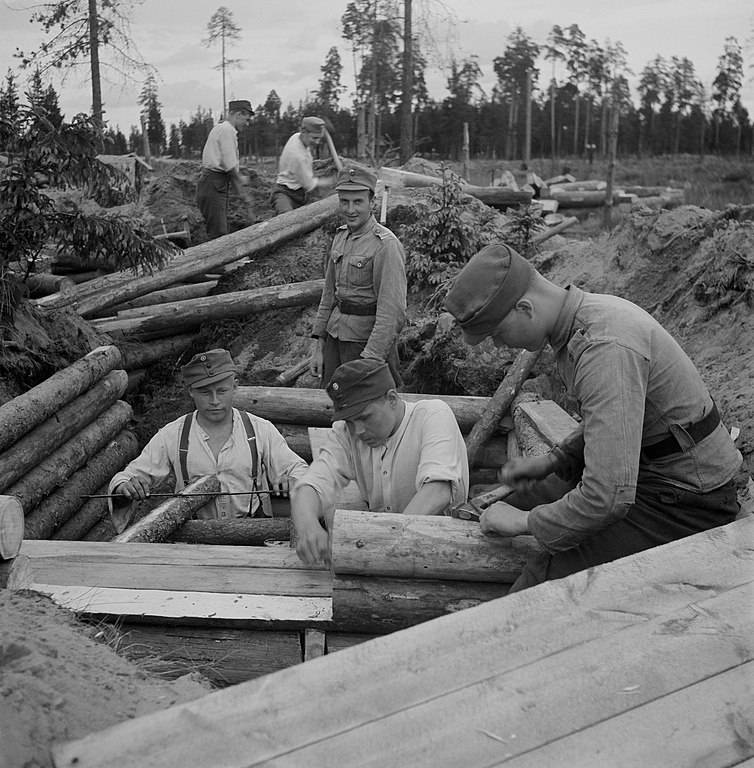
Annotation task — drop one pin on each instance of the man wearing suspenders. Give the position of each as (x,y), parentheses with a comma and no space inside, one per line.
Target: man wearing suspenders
(245,452)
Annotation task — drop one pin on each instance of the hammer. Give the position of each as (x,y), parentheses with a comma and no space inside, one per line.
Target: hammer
(473,508)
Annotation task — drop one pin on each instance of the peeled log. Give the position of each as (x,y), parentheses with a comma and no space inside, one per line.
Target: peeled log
(21,414)
(60,506)
(24,455)
(422,547)
(11,527)
(248,531)
(379,605)
(176,293)
(166,518)
(313,407)
(499,403)
(62,463)
(44,283)
(110,290)
(141,355)
(197,311)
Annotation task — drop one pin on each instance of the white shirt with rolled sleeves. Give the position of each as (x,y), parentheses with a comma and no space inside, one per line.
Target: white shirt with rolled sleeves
(232,466)
(296,168)
(220,151)
(426,447)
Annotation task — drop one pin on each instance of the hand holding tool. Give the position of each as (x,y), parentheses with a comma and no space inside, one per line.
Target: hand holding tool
(473,508)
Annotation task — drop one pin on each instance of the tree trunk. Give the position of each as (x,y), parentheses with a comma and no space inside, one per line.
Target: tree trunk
(194,312)
(43,284)
(29,451)
(116,288)
(380,605)
(577,100)
(21,414)
(499,403)
(465,151)
(140,355)
(62,463)
(422,547)
(313,408)
(407,96)
(612,151)
(94,70)
(166,518)
(165,296)
(59,507)
(527,138)
(248,532)
(11,527)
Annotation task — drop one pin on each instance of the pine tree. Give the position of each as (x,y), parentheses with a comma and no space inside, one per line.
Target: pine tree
(154,122)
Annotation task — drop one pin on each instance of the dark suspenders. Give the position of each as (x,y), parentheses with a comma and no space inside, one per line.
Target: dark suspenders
(251,438)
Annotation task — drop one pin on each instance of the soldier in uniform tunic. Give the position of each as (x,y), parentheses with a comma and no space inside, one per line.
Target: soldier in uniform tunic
(363,304)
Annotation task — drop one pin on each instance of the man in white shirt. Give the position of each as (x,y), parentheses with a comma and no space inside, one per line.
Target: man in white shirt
(245,452)
(220,169)
(407,458)
(296,179)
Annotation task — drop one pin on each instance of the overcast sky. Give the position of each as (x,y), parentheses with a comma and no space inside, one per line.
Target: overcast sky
(284,43)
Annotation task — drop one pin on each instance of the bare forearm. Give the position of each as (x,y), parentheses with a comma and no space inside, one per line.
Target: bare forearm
(431,499)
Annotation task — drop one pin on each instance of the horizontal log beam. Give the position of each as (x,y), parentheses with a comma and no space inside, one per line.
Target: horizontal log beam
(249,532)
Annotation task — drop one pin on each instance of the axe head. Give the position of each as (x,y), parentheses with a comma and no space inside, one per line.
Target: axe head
(467,510)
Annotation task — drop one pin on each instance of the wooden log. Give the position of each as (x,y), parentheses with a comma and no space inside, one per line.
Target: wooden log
(173,513)
(43,284)
(41,441)
(313,407)
(500,402)
(540,237)
(249,532)
(21,414)
(498,196)
(166,295)
(201,259)
(142,355)
(11,527)
(584,199)
(314,644)
(484,667)
(52,471)
(540,424)
(61,505)
(380,605)
(194,312)
(422,547)
(225,656)
(289,376)
(101,532)
(92,512)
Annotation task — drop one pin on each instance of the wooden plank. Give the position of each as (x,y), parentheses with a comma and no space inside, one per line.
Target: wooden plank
(225,656)
(102,552)
(314,644)
(316,701)
(707,724)
(198,607)
(338,641)
(350,497)
(421,547)
(559,697)
(549,419)
(168,577)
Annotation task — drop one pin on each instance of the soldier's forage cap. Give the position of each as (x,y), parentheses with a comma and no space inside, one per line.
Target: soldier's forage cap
(208,368)
(240,105)
(487,289)
(356,384)
(313,124)
(356,178)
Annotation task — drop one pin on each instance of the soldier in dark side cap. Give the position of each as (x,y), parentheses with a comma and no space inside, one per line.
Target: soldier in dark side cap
(220,168)
(296,179)
(363,304)
(405,457)
(651,461)
(244,451)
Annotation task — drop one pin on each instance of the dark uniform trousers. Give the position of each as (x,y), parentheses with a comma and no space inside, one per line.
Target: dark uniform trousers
(337,352)
(212,201)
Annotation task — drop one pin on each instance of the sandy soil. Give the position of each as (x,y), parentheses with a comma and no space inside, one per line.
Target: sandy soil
(60,680)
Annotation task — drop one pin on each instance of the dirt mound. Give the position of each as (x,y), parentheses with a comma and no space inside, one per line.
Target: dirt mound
(59,681)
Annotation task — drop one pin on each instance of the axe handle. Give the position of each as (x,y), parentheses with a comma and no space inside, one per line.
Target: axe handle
(336,159)
(496,494)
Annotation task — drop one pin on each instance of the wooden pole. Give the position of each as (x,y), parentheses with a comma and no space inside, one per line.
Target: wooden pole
(194,312)
(11,527)
(465,150)
(61,505)
(41,441)
(540,237)
(287,377)
(500,402)
(422,547)
(527,138)
(56,468)
(21,414)
(333,152)
(163,520)
(118,287)
(141,354)
(175,293)
(612,151)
